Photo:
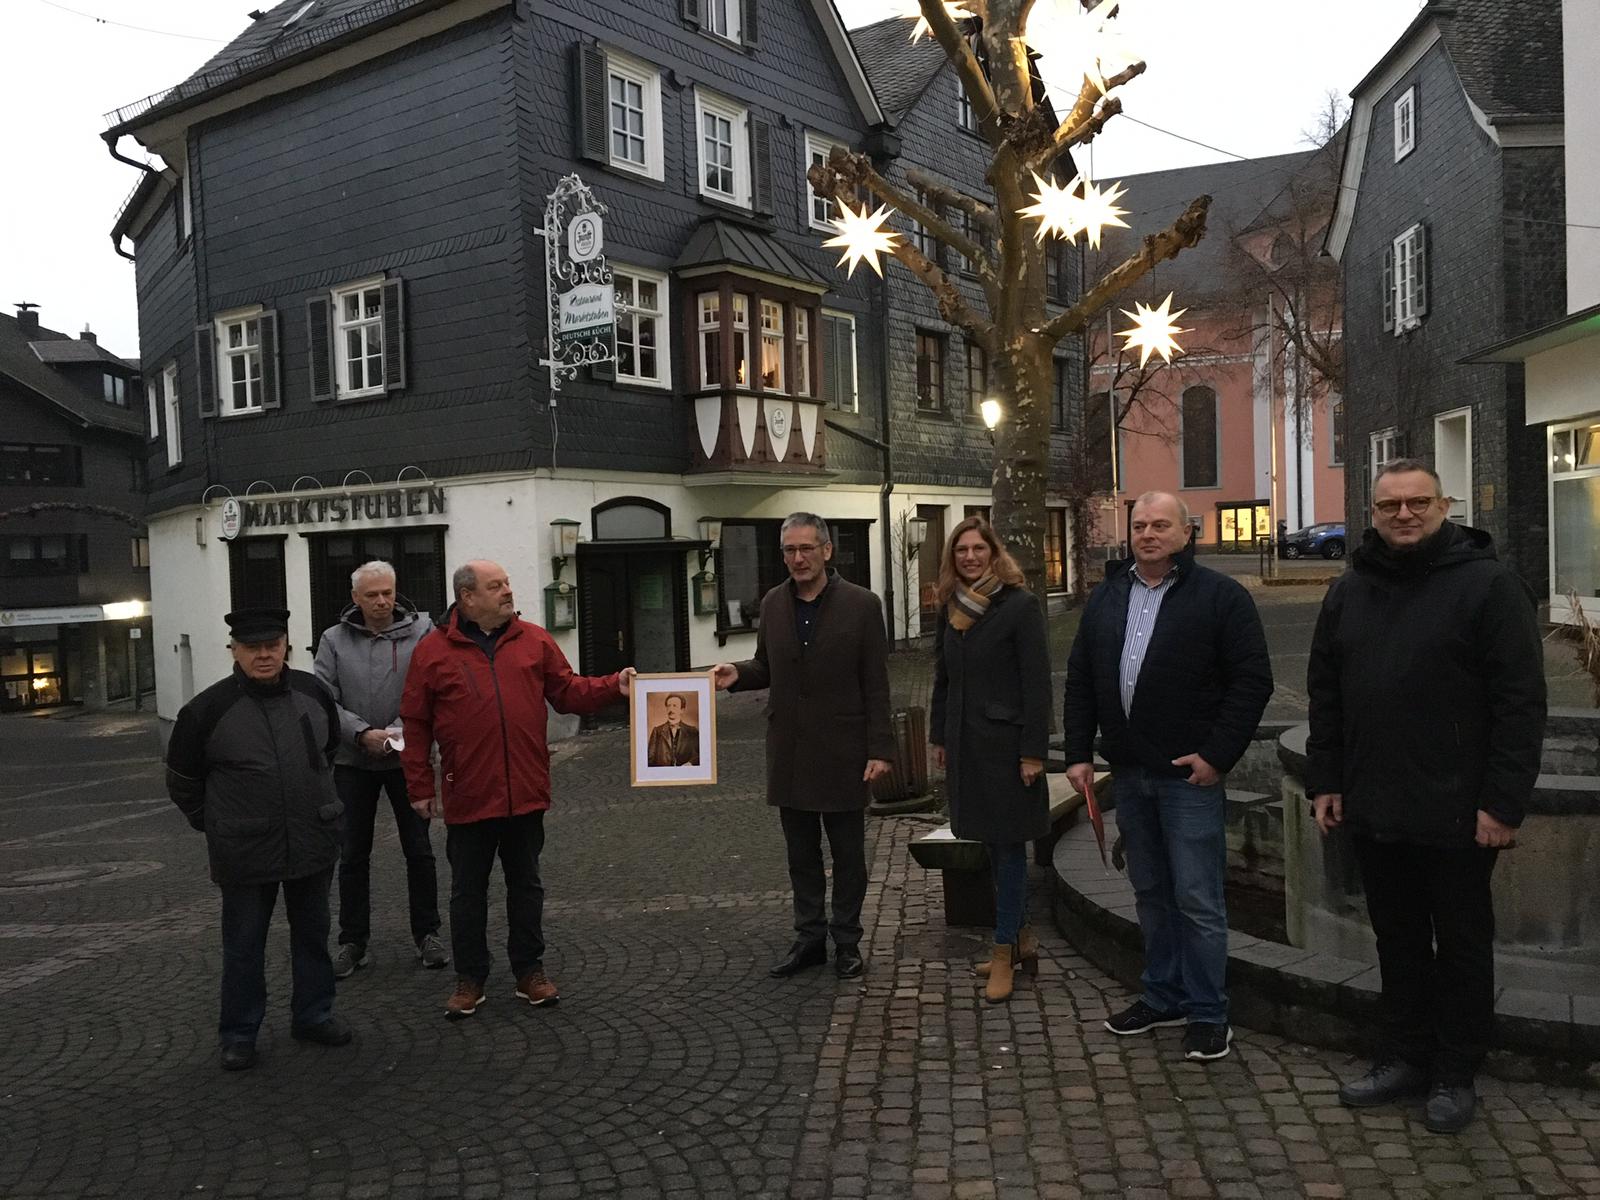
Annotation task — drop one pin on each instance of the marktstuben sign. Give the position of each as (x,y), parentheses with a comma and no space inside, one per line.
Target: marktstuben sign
(582,300)
(277,511)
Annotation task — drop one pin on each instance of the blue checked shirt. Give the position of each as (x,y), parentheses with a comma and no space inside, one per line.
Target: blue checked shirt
(1144,604)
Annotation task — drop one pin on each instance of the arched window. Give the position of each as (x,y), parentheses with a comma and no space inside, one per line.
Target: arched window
(1201,467)
(631,518)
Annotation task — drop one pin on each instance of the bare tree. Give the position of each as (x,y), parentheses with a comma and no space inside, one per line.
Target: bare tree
(1013,325)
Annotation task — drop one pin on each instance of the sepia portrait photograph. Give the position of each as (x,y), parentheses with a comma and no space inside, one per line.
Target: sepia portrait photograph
(672,726)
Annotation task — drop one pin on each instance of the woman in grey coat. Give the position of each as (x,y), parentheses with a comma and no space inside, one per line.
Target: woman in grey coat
(990,726)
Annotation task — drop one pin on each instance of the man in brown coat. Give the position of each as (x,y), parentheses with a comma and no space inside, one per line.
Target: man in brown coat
(823,653)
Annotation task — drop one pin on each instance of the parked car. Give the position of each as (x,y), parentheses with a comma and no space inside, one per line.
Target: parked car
(1326,539)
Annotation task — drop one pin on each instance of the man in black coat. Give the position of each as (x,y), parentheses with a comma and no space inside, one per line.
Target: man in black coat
(1170,665)
(1427,694)
(823,654)
(250,765)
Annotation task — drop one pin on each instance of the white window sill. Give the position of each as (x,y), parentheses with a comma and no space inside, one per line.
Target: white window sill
(658,385)
(363,394)
(644,171)
(234,413)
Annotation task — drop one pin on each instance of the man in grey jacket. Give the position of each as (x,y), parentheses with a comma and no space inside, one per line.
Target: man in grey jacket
(248,766)
(362,661)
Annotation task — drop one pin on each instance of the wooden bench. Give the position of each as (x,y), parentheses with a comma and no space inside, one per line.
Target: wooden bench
(964,865)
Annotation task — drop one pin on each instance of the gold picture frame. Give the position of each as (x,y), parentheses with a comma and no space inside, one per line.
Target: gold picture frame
(672,730)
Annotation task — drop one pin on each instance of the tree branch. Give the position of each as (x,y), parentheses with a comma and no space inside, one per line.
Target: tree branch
(1083,122)
(846,170)
(947,197)
(1186,231)
(973,80)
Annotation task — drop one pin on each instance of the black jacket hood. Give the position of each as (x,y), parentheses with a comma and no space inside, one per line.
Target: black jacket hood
(1451,546)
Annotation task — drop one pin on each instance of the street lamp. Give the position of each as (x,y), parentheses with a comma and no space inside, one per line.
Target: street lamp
(916,533)
(990,409)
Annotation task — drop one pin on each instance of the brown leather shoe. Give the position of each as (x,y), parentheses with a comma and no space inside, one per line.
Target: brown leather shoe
(535,987)
(1027,954)
(465,999)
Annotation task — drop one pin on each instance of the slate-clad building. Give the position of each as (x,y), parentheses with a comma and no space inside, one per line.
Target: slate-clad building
(74,560)
(1450,232)
(342,298)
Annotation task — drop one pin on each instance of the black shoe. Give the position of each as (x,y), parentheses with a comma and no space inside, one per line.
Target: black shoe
(1450,1108)
(332,1032)
(1139,1017)
(238,1056)
(1205,1040)
(847,962)
(801,956)
(1385,1083)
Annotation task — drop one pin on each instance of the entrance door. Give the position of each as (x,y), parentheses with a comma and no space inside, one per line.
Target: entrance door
(1240,523)
(631,611)
(31,677)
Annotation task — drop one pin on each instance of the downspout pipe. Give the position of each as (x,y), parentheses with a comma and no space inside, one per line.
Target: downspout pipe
(111,140)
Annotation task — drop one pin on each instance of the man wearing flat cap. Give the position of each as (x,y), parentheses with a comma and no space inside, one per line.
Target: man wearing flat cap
(250,765)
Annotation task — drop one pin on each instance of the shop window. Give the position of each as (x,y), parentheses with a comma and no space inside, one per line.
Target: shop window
(417,556)
(31,675)
(41,465)
(750,564)
(256,574)
(1575,499)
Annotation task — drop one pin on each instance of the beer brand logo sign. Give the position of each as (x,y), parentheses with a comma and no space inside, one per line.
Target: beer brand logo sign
(232,519)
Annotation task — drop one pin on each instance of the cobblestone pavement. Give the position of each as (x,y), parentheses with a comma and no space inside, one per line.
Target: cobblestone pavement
(674,1067)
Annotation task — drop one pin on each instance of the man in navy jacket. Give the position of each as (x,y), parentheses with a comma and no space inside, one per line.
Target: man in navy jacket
(1170,665)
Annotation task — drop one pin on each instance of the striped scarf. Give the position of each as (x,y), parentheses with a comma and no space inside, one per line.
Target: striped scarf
(968,604)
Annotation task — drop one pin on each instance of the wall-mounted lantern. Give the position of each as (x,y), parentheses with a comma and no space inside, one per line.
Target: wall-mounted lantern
(563,543)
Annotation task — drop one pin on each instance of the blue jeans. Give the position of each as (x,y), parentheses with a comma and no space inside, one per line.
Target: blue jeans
(1008,864)
(1177,853)
(246,914)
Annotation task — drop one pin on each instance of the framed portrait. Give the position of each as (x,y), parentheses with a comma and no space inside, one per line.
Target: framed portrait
(672,730)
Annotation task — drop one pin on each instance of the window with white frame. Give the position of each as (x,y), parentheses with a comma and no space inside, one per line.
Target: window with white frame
(1386,445)
(921,237)
(1405,123)
(802,352)
(741,340)
(966,118)
(642,355)
(771,346)
(720,17)
(839,360)
(152,403)
(710,339)
(1408,267)
(358,337)
(174,413)
(821,208)
(633,109)
(724,149)
(239,363)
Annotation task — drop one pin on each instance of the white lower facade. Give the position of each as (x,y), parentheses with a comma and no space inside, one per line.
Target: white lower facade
(1563,394)
(639,594)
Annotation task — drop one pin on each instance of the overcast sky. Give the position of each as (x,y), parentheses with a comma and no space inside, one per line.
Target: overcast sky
(1245,76)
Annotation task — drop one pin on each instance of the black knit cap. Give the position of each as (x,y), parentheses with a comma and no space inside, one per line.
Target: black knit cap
(258,624)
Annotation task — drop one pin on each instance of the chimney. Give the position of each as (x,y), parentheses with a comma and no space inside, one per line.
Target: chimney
(87,335)
(27,317)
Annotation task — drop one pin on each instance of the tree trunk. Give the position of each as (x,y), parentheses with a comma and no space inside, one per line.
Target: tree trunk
(1022,453)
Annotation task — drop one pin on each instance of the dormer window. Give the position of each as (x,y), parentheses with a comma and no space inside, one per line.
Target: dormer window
(1405,123)
(116,390)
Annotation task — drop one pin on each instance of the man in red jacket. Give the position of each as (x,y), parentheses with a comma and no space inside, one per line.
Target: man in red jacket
(478,686)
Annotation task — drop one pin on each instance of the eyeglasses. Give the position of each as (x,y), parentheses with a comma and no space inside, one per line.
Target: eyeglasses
(807,548)
(1417,504)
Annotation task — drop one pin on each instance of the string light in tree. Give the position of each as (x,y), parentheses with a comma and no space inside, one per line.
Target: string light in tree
(1079,207)
(956,10)
(1154,330)
(862,237)
(1074,42)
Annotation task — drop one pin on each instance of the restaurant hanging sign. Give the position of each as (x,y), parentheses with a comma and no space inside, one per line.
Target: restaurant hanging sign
(582,301)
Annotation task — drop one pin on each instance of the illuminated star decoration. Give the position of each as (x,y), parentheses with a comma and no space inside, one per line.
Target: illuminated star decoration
(1074,42)
(1154,330)
(1066,213)
(862,237)
(1097,209)
(956,10)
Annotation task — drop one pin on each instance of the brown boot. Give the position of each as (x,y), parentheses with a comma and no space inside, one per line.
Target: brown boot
(1027,954)
(999,986)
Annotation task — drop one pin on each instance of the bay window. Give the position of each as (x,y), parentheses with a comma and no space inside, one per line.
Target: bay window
(771,346)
